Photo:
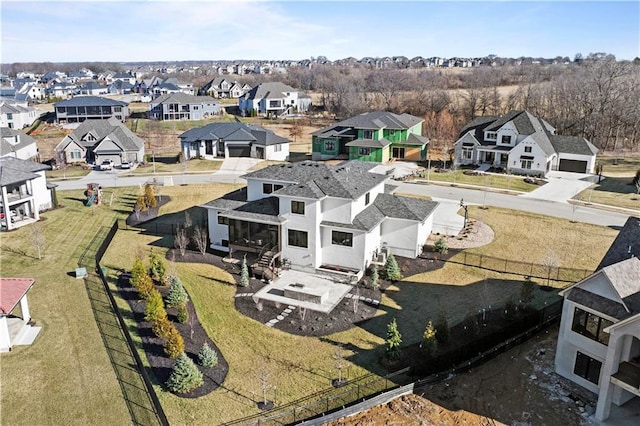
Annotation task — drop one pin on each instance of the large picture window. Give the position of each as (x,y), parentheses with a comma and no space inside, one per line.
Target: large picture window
(398,153)
(298,238)
(364,151)
(590,325)
(329,145)
(297,207)
(587,367)
(340,238)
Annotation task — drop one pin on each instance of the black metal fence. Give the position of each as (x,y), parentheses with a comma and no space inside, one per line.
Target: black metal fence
(528,269)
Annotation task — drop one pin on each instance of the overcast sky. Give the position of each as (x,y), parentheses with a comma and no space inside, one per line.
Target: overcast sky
(156,30)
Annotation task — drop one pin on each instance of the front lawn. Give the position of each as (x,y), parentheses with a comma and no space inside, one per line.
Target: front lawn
(171,165)
(612,191)
(490,180)
(70,172)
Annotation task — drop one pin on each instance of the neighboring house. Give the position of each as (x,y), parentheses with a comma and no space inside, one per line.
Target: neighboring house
(61,90)
(92,88)
(120,87)
(377,136)
(17,115)
(95,141)
(234,140)
(180,106)
(599,337)
(273,99)
(14,329)
(123,76)
(17,144)
(33,91)
(81,108)
(523,144)
(319,217)
(24,192)
(221,87)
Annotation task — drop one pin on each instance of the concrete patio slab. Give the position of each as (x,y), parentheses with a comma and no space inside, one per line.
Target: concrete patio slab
(274,292)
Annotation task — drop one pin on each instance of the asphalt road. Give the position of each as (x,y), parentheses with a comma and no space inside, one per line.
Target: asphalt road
(470,196)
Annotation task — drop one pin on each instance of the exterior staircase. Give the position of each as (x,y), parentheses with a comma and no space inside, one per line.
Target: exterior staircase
(265,266)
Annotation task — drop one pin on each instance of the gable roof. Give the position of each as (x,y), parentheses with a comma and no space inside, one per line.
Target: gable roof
(7,145)
(11,291)
(15,170)
(233,131)
(183,98)
(89,101)
(270,90)
(100,129)
(380,120)
(625,245)
(400,207)
(573,145)
(369,143)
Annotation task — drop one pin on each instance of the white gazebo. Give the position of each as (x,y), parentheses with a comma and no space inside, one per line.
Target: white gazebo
(15,324)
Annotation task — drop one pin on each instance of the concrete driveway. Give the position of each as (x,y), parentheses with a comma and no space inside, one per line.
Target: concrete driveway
(446,220)
(562,186)
(237,165)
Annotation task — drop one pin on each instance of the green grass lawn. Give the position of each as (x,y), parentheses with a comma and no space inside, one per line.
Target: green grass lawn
(617,188)
(70,172)
(169,165)
(509,182)
(65,377)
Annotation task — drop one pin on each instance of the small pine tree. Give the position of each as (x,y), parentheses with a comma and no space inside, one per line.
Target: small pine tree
(391,269)
(185,375)
(393,340)
(137,271)
(470,324)
(429,341)
(174,343)
(161,327)
(177,295)
(155,307)
(183,314)
(442,328)
(145,286)
(244,273)
(375,279)
(526,292)
(157,268)
(207,357)
(441,246)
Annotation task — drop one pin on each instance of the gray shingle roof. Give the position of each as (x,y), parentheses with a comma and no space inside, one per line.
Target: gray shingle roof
(573,145)
(270,90)
(100,129)
(234,131)
(89,101)
(183,98)
(347,180)
(598,303)
(414,139)
(626,244)
(234,204)
(366,220)
(380,120)
(404,207)
(8,136)
(369,143)
(15,170)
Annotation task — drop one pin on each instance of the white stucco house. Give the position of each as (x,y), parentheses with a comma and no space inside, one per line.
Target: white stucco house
(319,217)
(24,192)
(15,318)
(274,98)
(17,115)
(14,143)
(599,336)
(224,140)
(524,144)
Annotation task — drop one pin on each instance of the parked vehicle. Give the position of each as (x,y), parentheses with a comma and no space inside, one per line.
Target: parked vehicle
(106,165)
(125,165)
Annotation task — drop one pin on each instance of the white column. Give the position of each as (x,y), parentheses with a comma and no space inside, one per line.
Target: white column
(24,306)
(606,388)
(5,340)
(5,204)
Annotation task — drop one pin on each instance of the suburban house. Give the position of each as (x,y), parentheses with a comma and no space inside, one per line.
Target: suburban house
(320,218)
(273,98)
(221,87)
(92,88)
(599,337)
(15,318)
(378,136)
(81,108)
(17,144)
(180,106)
(17,115)
(95,141)
(522,144)
(120,87)
(223,140)
(24,192)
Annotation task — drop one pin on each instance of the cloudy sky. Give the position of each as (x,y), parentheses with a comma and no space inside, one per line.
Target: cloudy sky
(157,30)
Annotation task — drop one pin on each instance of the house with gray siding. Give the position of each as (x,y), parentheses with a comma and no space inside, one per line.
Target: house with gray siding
(273,98)
(180,106)
(81,108)
(17,144)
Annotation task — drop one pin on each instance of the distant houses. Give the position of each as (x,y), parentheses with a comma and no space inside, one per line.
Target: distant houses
(273,99)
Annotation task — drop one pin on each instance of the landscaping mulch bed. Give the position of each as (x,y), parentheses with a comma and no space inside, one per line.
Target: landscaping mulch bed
(192,332)
(149,214)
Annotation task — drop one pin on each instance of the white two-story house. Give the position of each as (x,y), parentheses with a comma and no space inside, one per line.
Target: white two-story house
(320,217)
(273,98)
(599,336)
(522,144)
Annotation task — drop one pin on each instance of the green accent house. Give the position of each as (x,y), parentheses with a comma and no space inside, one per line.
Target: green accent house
(378,136)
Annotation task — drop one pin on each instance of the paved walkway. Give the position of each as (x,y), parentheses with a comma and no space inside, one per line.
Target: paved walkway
(483,168)
(446,220)
(562,186)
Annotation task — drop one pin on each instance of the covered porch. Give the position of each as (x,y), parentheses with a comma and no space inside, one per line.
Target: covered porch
(495,156)
(16,327)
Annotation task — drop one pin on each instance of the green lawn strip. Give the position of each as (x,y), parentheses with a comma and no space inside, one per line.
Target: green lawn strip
(509,182)
(194,165)
(619,166)
(42,383)
(612,191)
(69,173)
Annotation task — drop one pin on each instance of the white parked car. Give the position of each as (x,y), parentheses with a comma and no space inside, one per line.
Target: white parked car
(106,165)
(125,165)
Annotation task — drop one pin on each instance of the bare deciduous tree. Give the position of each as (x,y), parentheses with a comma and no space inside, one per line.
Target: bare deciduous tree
(181,240)
(200,239)
(550,261)
(38,238)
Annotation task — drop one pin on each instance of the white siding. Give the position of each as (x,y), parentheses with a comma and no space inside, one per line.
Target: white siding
(217,232)
(309,258)
(539,162)
(336,209)
(41,195)
(350,257)
(400,236)
(272,154)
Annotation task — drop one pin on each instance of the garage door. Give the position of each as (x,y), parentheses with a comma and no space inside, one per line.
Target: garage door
(239,151)
(573,166)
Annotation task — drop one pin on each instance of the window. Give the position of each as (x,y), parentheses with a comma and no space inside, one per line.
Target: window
(590,325)
(223,220)
(392,132)
(398,153)
(587,367)
(75,154)
(297,238)
(364,151)
(329,145)
(9,116)
(297,207)
(492,135)
(225,243)
(527,149)
(506,140)
(339,238)
(526,164)
(277,148)
(367,134)
(268,188)
(467,153)
(367,198)
(117,109)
